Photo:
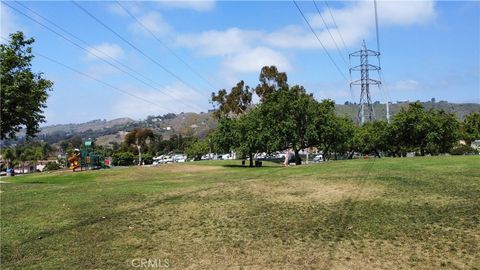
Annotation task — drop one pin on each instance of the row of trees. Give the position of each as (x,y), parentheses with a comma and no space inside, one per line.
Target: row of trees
(30,152)
(142,144)
(287,117)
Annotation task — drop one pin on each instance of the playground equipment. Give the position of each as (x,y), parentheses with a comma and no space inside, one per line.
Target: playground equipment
(74,160)
(86,158)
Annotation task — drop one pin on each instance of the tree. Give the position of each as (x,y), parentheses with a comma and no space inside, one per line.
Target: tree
(371,138)
(123,159)
(333,133)
(289,115)
(139,137)
(270,81)
(76,142)
(443,133)
(9,155)
(64,145)
(24,93)
(225,136)
(413,126)
(234,103)
(251,136)
(471,127)
(197,149)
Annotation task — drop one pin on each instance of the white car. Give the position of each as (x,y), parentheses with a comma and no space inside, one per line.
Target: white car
(163,159)
(318,158)
(179,158)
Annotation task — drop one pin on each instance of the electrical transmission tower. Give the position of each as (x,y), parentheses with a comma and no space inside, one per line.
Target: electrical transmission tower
(365,111)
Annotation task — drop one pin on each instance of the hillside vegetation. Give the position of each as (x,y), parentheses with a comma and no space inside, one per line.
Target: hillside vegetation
(188,124)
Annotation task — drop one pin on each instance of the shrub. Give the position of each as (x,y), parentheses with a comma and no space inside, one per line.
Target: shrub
(52,166)
(123,159)
(147,159)
(463,150)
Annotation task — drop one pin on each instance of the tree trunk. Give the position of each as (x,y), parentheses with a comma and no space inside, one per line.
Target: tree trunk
(139,155)
(326,154)
(297,157)
(250,155)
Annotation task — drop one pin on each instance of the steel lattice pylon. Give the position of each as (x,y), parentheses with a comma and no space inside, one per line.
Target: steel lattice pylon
(365,111)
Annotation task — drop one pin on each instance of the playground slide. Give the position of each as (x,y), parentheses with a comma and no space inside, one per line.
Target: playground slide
(74,162)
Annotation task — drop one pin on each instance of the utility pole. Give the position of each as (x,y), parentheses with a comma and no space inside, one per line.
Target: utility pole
(365,111)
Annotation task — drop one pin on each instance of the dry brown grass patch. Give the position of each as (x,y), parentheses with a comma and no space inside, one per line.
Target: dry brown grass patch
(309,190)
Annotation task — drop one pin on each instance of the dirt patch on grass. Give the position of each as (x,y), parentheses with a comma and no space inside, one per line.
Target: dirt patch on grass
(187,168)
(307,191)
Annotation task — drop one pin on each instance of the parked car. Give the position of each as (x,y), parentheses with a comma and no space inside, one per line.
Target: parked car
(225,156)
(179,158)
(163,159)
(318,158)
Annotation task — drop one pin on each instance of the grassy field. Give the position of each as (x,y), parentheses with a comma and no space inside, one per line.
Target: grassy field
(410,213)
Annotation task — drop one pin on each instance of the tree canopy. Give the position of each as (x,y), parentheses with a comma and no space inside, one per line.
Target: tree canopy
(24,93)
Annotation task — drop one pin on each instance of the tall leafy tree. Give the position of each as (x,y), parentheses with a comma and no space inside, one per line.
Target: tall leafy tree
(234,103)
(471,127)
(289,115)
(24,93)
(372,138)
(251,134)
(271,80)
(197,149)
(139,137)
(413,126)
(333,133)
(444,131)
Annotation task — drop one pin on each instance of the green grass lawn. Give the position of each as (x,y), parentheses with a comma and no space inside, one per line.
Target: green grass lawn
(421,213)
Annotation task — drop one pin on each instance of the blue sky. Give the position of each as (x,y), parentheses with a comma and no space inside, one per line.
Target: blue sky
(429,49)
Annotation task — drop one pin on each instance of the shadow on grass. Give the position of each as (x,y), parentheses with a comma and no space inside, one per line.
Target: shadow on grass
(106,217)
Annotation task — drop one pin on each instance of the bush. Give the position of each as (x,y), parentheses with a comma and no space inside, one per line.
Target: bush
(52,166)
(463,150)
(147,159)
(123,159)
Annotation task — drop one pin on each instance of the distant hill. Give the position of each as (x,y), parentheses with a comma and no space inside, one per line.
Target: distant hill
(194,124)
(460,109)
(93,125)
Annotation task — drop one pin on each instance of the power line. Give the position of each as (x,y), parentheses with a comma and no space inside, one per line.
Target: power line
(319,41)
(86,44)
(133,46)
(91,77)
(90,52)
(165,45)
(344,46)
(330,33)
(380,71)
(98,80)
(336,26)
(376,25)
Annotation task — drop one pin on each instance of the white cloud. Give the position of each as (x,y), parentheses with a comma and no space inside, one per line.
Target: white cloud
(240,50)
(153,21)
(179,99)
(105,51)
(355,21)
(197,5)
(254,59)
(220,43)
(292,36)
(132,7)
(100,71)
(404,85)
(8,22)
